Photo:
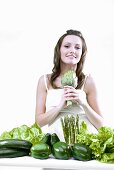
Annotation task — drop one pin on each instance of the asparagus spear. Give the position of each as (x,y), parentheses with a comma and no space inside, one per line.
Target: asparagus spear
(70,126)
(76,127)
(65,129)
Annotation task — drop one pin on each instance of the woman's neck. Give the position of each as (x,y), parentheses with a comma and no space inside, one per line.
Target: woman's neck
(65,68)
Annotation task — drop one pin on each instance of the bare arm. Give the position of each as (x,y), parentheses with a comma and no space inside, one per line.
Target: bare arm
(41,116)
(92,107)
(89,103)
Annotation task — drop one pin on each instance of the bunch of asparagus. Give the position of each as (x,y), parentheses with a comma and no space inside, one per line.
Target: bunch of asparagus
(69,79)
(70,126)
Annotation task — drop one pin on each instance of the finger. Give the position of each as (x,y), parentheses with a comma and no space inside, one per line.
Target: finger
(68,90)
(71,95)
(69,87)
(71,98)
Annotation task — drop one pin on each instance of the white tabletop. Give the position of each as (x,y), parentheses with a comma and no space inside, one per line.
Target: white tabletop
(55,163)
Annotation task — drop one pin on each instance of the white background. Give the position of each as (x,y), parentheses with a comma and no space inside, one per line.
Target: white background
(29,30)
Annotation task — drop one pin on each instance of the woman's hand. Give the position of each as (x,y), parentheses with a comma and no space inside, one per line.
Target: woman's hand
(75,95)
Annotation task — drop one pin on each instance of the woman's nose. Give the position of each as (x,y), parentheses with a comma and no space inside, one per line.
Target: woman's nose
(72,49)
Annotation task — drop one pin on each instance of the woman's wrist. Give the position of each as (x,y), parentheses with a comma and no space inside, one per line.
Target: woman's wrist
(58,108)
(84,105)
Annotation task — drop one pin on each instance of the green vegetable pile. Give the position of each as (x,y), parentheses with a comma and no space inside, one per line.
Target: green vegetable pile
(43,149)
(69,79)
(51,145)
(32,134)
(79,143)
(100,143)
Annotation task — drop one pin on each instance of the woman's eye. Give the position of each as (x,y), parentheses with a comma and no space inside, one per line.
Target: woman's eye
(77,48)
(66,46)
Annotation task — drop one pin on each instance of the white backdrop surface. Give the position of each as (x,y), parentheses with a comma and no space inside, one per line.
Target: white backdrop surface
(29,30)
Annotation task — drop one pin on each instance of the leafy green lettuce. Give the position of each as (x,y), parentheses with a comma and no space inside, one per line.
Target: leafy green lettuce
(101,143)
(33,133)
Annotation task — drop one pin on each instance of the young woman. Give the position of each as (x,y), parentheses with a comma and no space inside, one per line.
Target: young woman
(70,53)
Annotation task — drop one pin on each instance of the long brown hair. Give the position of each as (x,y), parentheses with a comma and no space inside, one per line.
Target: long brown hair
(56,69)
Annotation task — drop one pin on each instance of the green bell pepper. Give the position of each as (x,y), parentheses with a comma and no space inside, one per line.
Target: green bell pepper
(81,152)
(46,138)
(40,151)
(50,139)
(54,138)
(60,150)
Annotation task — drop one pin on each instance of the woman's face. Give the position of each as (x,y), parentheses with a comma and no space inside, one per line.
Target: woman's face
(71,49)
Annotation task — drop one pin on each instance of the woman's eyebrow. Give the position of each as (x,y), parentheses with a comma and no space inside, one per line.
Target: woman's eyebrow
(71,43)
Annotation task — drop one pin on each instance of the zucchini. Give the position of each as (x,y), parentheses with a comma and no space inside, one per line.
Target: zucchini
(15,143)
(12,152)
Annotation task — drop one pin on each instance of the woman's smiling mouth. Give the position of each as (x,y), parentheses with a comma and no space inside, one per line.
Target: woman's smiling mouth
(71,56)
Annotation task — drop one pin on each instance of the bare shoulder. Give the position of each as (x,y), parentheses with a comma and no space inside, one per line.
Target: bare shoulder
(41,83)
(90,80)
(44,80)
(90,84)
(41,79)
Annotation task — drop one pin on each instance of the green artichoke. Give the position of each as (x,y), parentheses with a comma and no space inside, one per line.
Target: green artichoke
(69,79)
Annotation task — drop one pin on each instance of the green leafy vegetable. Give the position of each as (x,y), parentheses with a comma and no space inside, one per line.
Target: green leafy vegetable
(101,143)
(107,158)
(33,133)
